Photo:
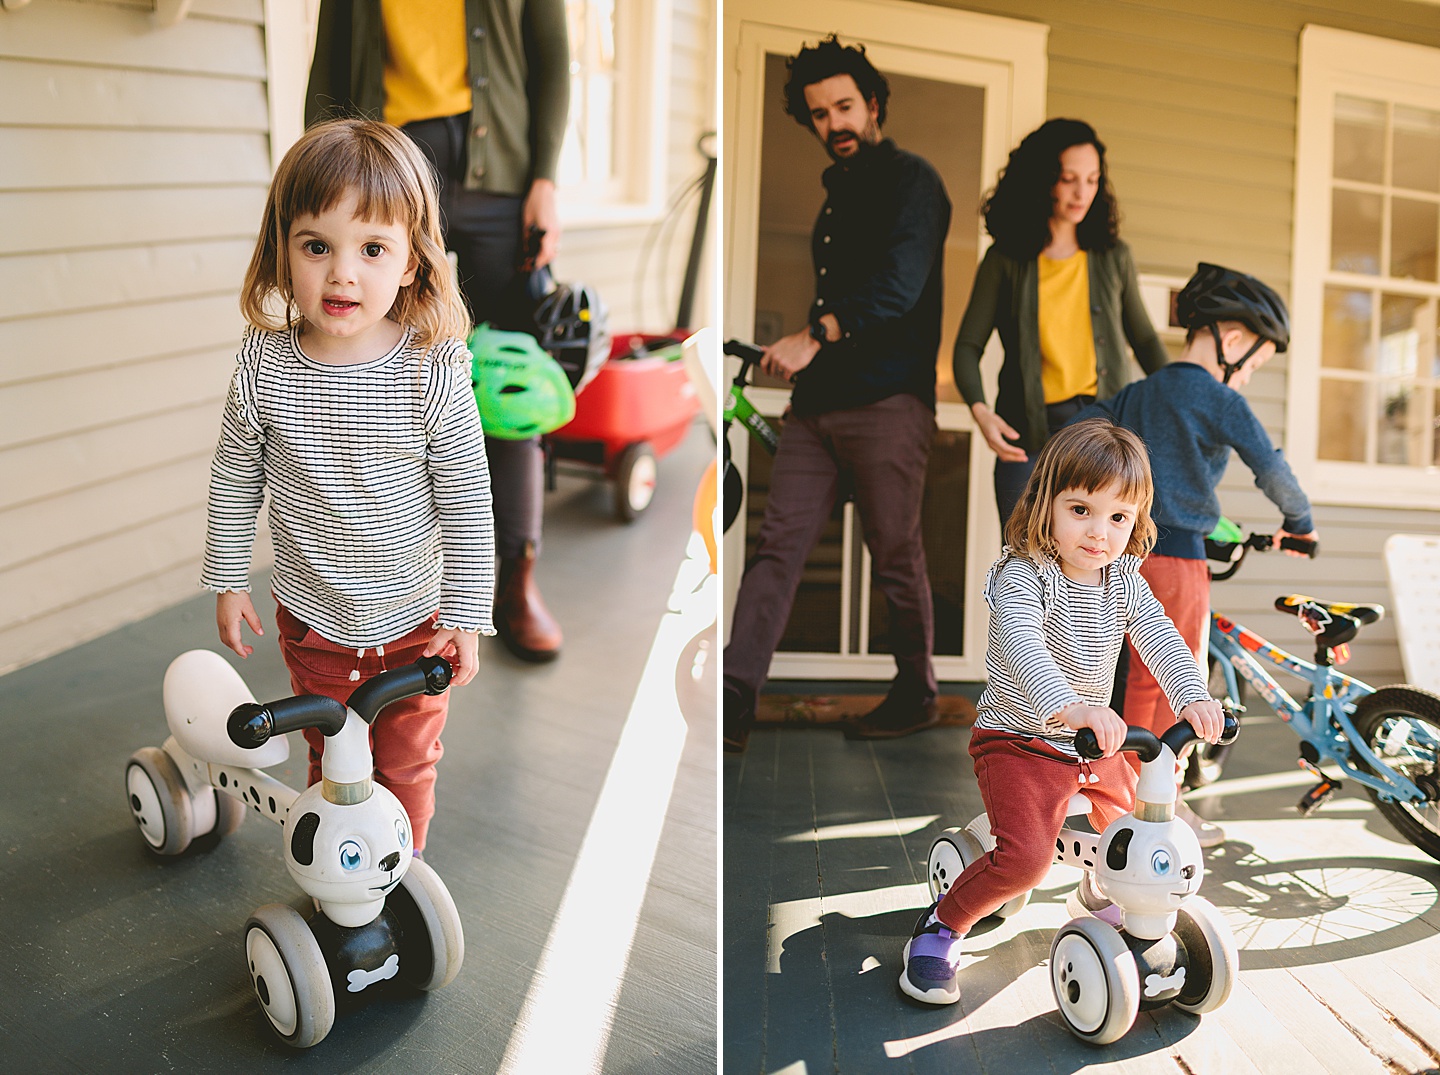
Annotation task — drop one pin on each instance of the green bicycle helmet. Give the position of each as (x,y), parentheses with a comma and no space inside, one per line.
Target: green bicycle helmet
(521,391)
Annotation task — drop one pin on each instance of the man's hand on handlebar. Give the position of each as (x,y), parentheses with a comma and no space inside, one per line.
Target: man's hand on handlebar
(790,354)
(1207,718)
(1108,726)
(1280,535)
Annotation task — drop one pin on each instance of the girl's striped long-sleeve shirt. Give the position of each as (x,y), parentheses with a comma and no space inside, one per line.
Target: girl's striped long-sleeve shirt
(379,490)
(1055,642)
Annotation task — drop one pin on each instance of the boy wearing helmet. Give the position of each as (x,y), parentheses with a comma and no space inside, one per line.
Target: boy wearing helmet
(1191,416)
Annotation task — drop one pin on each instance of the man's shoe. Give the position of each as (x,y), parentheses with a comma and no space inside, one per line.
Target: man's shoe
(521,618)
(931,960)
(739,718)
(1085,900)
(893,718)
(1207,832)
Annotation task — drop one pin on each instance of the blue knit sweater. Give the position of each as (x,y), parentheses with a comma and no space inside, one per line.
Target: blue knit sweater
(1190,422)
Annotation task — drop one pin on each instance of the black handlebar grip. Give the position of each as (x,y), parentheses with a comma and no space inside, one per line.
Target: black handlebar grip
(1294,544)
(1181,734)
(428,675)
(746,352)
(252,725)
(1141,740)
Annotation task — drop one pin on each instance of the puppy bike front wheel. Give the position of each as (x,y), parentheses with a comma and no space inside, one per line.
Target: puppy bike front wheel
(1096,985)
(290,976)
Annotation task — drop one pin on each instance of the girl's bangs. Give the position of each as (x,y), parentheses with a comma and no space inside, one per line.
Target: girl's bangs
(1105,463)
(337,167)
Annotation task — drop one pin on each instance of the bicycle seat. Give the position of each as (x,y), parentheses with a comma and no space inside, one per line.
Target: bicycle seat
(1332,622)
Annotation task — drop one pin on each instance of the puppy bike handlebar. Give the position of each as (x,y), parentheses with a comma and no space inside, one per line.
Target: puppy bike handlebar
(252,724)
(1146,744)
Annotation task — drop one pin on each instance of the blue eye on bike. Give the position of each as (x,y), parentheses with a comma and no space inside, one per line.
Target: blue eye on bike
(1160,862)
(402,832)
(351,856)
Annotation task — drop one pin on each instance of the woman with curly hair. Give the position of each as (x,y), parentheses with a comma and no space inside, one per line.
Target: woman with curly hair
(1059,286)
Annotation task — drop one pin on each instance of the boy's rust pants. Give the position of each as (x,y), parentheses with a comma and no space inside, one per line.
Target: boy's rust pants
(1027,784)
(1183,589)
(405,736)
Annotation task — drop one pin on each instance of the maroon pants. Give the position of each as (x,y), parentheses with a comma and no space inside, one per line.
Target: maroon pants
(405,736)
(1026,785)
(881,450)
(1183,589)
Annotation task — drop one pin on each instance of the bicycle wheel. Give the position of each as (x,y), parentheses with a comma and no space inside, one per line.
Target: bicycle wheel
(1207,761)
(1402,726)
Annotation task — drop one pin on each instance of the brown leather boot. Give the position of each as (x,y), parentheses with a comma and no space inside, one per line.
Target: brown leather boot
(521,618)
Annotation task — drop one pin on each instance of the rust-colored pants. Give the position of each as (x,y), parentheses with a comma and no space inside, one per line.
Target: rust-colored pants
(1026,784)
(1183,589)
(405,736)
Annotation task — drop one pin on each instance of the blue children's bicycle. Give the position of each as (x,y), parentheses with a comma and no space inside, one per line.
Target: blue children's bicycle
(1387,740)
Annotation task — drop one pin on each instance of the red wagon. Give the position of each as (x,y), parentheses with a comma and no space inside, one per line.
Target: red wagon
(636,410)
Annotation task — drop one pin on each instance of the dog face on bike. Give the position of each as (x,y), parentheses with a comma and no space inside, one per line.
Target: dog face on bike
(1149,867)
(349,857)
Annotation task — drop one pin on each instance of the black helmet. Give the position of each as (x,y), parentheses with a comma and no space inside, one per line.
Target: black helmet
(571,322)
(1216,293)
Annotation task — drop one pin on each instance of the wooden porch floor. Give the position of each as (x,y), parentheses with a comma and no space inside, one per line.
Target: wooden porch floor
(824,851)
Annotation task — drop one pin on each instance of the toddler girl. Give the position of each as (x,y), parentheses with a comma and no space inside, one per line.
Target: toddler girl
(354,409)
(1062,596)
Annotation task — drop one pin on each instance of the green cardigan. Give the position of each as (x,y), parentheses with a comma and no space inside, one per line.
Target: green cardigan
(519,60)
(1006,298)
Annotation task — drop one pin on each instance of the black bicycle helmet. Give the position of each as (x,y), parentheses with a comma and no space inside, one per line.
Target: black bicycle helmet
(1216,294)
(572,323)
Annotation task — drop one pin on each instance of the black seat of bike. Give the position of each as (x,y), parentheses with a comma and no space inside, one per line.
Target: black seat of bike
(1333,622)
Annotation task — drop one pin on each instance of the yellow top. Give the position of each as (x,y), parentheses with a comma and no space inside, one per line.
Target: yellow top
(426,61)
(1067,338)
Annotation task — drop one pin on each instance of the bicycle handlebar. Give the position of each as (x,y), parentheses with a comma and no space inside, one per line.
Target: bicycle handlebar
(1146,744)
(252,725)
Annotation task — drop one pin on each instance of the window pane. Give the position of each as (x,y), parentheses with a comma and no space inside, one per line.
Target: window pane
(1435,430)
(1345,343)
(1355,232)
(1404,426)
(1359,139)
(1342,420)
(1417,149)
(1407,337)
(1413,230)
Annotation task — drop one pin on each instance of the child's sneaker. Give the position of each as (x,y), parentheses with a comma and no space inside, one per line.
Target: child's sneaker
(1085,900)
(932,961)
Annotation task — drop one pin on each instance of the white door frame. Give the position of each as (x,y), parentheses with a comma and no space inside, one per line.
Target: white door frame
(1007,57)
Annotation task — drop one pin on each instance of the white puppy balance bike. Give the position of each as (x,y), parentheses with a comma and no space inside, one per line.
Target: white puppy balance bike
(1172,947)
(380,914)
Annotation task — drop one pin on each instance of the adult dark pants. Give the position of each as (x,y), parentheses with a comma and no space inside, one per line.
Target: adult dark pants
(1010,478)
(483,230)
(880,451)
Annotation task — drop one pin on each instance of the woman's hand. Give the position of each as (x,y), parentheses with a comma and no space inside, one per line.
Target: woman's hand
(466,647)
(231,609)
(996,430)
(1207,718)
(1108,726)
(539,213)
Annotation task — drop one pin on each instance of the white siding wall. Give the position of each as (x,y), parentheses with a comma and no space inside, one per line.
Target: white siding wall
(1196,102)
(133,164)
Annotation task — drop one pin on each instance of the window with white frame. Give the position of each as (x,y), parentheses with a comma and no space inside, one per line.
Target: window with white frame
(613,154)
(1364,413)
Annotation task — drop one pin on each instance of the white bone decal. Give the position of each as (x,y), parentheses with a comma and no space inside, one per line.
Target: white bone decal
(1155,985)
(359,979)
